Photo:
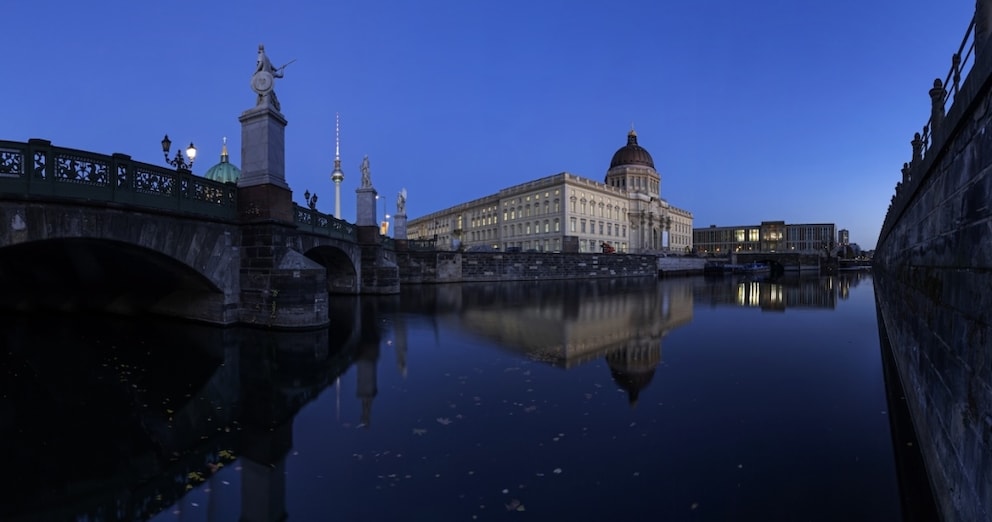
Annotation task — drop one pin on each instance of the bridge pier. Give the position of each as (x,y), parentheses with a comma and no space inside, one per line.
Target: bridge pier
(380,273)
(280,287)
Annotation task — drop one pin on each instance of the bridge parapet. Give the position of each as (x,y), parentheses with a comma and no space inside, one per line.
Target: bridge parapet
(37,168)
(312,221)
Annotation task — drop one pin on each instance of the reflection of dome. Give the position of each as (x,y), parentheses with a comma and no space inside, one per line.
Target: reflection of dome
(632,382)
(632,153)
(633,368)
(225,171)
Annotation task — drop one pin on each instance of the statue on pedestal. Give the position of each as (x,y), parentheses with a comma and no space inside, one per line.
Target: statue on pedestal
(366,174)
(401,203)
(263,81)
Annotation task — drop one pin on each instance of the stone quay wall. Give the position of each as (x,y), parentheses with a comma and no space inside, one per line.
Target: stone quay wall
(933,282)
(457,267)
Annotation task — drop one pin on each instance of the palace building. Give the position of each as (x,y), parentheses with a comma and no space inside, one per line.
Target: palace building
(568,213)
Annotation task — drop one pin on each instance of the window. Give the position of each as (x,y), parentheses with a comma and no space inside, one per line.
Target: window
(572,224)
(557,228)
(583,224)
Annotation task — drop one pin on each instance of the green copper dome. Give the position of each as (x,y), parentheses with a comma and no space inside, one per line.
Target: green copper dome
(225,171)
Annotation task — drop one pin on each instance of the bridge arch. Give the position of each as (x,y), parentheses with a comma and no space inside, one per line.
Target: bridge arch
(342,275)
(118,260)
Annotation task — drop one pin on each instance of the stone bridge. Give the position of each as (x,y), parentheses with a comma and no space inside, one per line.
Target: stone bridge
(85,231)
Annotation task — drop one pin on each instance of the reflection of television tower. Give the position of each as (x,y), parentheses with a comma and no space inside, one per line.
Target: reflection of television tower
(337,176)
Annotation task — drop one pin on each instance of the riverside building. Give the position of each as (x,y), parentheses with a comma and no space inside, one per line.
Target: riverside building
(568,213)
(769,236)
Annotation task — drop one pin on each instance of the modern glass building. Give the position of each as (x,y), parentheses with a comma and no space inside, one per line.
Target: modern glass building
(769,236)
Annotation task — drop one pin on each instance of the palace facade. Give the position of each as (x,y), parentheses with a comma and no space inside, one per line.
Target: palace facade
(568,213)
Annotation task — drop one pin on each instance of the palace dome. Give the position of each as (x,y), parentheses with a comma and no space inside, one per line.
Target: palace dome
(632,153)
(225,171)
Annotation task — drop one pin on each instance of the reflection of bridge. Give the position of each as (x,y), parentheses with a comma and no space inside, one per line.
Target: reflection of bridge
(157,433)
(109,233)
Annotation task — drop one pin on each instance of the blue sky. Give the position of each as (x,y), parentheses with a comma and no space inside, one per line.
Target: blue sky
(759,110)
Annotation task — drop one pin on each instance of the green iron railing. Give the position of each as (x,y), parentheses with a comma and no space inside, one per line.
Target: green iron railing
(422,245)
(37,168)
(310,220)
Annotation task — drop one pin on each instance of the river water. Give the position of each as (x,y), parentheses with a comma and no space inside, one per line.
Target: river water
(679,399)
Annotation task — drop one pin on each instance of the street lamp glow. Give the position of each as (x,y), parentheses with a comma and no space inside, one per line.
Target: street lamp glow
(179,162)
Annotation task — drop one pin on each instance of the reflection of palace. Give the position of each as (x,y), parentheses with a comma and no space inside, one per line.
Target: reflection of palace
(576,322)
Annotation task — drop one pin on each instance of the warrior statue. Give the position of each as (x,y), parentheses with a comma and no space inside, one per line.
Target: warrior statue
(263,81)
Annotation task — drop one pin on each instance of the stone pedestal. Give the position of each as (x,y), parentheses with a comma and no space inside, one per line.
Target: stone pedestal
(399,224)
(366,207)
(263,148)
(265,202)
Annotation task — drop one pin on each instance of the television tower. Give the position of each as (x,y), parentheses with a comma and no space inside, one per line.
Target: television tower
(337,176)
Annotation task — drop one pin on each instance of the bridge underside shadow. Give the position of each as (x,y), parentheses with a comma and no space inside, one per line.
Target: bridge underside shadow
(76,274)
(342,278)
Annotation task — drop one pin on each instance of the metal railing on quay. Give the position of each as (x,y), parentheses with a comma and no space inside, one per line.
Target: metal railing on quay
(943,95)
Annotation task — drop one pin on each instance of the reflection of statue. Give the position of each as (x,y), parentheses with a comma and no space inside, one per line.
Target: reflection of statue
(401,203)
(366,175)
(263,81)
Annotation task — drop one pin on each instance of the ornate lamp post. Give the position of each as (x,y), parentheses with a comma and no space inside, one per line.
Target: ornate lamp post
(179,162)
(311,200)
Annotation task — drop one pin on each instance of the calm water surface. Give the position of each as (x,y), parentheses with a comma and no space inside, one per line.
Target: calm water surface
(682,399)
